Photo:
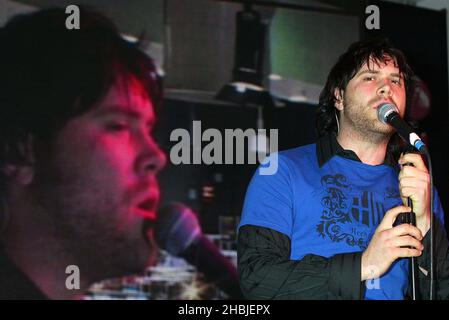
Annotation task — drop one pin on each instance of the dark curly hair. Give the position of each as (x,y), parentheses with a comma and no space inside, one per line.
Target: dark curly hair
(347,66)
(50,74)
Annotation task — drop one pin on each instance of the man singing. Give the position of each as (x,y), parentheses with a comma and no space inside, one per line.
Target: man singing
(78,161)
(322,226)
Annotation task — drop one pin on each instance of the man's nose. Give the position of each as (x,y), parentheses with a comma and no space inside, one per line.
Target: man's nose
(384,90)
(152,159)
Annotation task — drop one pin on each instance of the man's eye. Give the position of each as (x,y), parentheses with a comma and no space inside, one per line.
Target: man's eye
(396,82)
(368,78)
(116,127)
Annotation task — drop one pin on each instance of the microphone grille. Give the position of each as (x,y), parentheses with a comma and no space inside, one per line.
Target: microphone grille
(384,110)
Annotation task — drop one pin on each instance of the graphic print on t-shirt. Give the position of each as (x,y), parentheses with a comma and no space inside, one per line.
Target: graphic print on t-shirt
(350,215)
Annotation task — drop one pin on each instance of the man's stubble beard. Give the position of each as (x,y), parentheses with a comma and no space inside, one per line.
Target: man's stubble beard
(365,127)
(84,219)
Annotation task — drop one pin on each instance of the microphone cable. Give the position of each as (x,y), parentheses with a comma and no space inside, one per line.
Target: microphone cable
(432,271)
(432,234)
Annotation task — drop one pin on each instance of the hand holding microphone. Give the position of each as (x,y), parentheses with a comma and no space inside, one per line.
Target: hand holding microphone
(414,183)
(414,178)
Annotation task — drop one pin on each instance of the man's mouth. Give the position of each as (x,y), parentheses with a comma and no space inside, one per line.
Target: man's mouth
(379,103)
(147,208)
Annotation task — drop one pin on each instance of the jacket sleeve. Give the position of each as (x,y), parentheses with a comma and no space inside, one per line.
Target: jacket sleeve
(266,271)
(441,261)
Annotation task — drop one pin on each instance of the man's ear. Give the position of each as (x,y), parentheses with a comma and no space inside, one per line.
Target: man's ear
(338,94)
(21,173)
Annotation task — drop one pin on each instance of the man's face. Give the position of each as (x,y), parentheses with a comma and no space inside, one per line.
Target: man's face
(99,182)
(372,85)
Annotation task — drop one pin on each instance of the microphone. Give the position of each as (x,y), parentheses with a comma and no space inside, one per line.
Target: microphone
(177,231)
(388,113)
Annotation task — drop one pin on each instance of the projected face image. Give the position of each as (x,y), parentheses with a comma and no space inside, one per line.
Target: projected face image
(100,181)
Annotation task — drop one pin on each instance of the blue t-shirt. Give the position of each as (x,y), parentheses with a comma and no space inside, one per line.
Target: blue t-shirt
(329,210)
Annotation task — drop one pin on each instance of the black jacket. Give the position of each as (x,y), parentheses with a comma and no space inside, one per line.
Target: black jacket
(266,271)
